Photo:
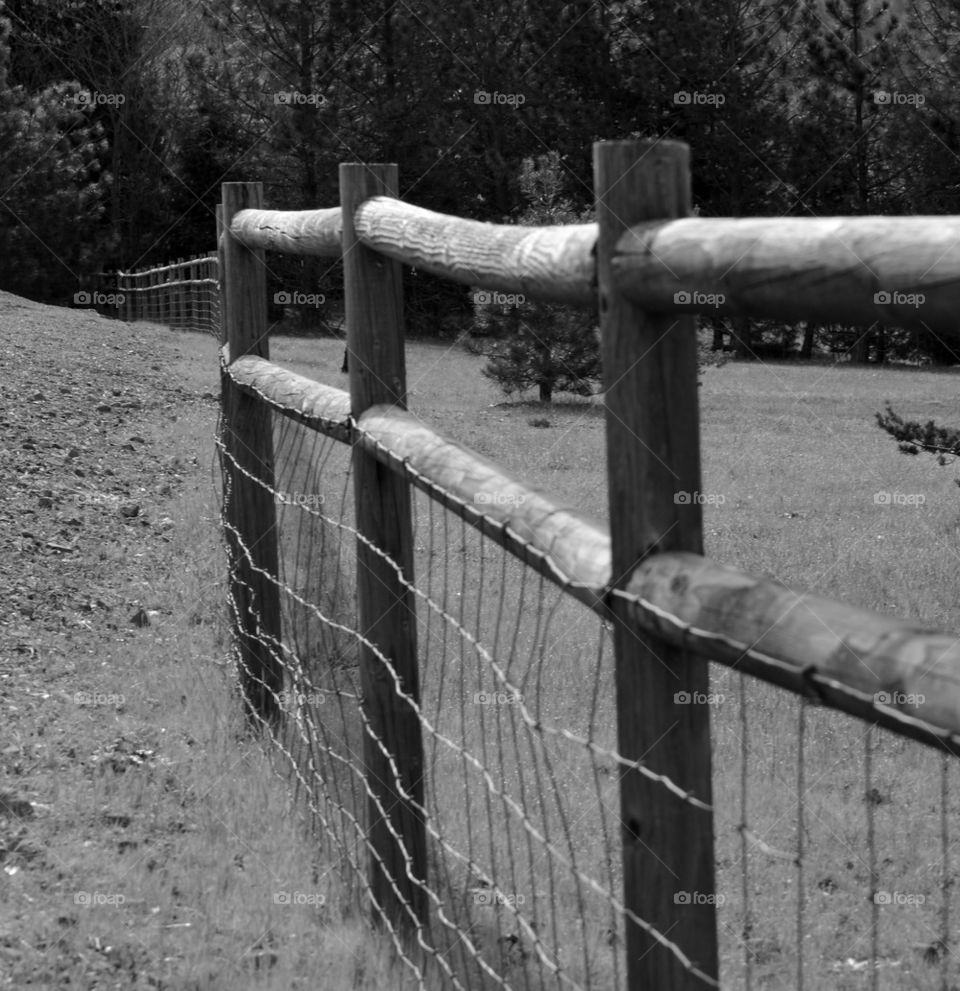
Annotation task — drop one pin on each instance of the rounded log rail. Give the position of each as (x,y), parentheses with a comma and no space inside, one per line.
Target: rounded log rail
(860,270)
(573,550)
(552,263)
(294,232)
(900,674)
(322,407)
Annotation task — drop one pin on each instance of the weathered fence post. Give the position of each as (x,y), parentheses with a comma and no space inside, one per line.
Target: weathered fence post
(168,295)
(179,303)
(653,465)
(249,506)
(375,337)
(221,286)
(192,276)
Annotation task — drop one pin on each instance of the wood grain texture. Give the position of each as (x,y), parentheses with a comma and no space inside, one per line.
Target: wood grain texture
(389,669)
(249,508)
(578,545)
(322,407)
(653,456)
(540,262)
(294,232)
(553,263)
(798,268)
(906,666)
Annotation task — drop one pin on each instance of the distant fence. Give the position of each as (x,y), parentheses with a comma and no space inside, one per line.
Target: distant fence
(184,294)
(519,809)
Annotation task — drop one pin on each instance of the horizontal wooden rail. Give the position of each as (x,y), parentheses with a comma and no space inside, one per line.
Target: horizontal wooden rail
(576,547)
(170,284)
(553,263)
(294,232)
(898,673)
(166,268)
(898,270)
(322,407)
(901,674)
(860,270)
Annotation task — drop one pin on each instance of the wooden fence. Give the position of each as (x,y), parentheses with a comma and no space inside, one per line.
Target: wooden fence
(184,294)
(649,267)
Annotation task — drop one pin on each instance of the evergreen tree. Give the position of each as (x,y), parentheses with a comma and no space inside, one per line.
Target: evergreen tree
(848,113)
(53,189)
(127,56)
(913,436)
(551,346)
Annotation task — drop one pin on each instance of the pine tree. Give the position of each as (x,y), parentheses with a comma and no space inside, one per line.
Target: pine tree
(53,189)
(550,346)
(850,48)
(913,436)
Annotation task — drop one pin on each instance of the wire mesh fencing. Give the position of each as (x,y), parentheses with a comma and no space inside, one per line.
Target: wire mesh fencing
(835,860)
(833,845)
(184,295)
(516,708)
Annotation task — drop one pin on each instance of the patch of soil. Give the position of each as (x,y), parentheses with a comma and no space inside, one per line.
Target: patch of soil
(89,483)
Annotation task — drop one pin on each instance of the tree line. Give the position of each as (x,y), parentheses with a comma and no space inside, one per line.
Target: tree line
(121,118)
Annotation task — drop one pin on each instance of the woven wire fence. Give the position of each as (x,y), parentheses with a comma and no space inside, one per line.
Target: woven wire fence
(183,296)
(832,835)
(835,860)
(521,798)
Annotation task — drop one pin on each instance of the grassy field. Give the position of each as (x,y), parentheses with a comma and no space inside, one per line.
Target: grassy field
(192,846)
(801,471)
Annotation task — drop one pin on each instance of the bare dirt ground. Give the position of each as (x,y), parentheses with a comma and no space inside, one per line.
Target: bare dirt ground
(94,463)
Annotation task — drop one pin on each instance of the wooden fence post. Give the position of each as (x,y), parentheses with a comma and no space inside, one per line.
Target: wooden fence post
(221,285)
(653,465)
(192,276)
(249,507)
(178,301)
(166,295)
(386,610)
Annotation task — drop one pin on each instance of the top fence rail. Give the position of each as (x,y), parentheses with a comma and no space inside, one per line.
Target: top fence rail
(863,270)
